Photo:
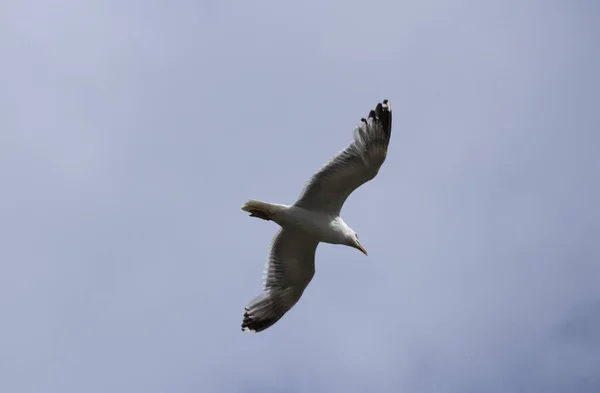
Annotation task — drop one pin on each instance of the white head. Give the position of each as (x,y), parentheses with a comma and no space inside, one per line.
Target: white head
(352,241)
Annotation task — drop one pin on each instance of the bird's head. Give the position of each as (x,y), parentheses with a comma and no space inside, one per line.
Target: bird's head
(353,242)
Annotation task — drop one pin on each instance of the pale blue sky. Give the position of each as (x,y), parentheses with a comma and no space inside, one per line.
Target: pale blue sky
(132,132)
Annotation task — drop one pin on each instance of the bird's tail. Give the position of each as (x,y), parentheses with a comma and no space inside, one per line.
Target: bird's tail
(262,210)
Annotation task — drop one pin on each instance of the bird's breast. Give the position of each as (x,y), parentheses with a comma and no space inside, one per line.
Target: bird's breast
(320,225)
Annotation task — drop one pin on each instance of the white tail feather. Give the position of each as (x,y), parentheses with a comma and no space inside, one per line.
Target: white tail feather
(264,210)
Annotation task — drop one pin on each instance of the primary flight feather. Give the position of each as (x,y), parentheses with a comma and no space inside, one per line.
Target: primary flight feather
(314,218)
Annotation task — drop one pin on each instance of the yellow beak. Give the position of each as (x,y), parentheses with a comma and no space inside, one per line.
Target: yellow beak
(361,248)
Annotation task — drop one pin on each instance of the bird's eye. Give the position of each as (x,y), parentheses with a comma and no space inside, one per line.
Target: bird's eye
(356,234)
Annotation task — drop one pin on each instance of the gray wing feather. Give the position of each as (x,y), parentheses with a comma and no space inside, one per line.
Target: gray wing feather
(328,189)
(289,270)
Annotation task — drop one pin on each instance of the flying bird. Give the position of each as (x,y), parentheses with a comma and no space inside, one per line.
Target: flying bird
(315,218)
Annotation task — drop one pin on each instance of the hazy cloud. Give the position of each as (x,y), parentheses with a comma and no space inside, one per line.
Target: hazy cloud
(132,132)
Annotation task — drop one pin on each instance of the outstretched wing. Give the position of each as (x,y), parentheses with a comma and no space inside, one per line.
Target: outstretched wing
(290,268)
(329,188)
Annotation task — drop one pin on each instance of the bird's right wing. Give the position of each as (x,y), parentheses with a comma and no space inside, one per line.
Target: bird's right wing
(289,270)
(328,189)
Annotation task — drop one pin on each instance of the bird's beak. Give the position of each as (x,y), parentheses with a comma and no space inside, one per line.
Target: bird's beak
(361,248)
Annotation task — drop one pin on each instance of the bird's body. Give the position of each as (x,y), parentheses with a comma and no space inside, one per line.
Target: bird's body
(315,218)
(326,227)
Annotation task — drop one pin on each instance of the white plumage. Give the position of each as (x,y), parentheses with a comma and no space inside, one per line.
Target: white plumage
(315,218)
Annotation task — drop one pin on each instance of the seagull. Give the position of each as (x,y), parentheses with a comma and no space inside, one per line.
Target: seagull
(315,218)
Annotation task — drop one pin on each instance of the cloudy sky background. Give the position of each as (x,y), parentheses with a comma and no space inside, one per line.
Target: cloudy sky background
(132,132)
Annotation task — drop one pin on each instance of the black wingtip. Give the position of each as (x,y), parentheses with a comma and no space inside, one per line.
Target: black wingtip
(378,109)
(383,114)
(387,106)
(250,324)
(247,322)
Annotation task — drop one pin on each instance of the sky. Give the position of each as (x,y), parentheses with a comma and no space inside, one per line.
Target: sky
(131,132)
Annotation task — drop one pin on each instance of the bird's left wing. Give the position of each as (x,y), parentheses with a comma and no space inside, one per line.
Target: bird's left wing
(328,189)
(290,269)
